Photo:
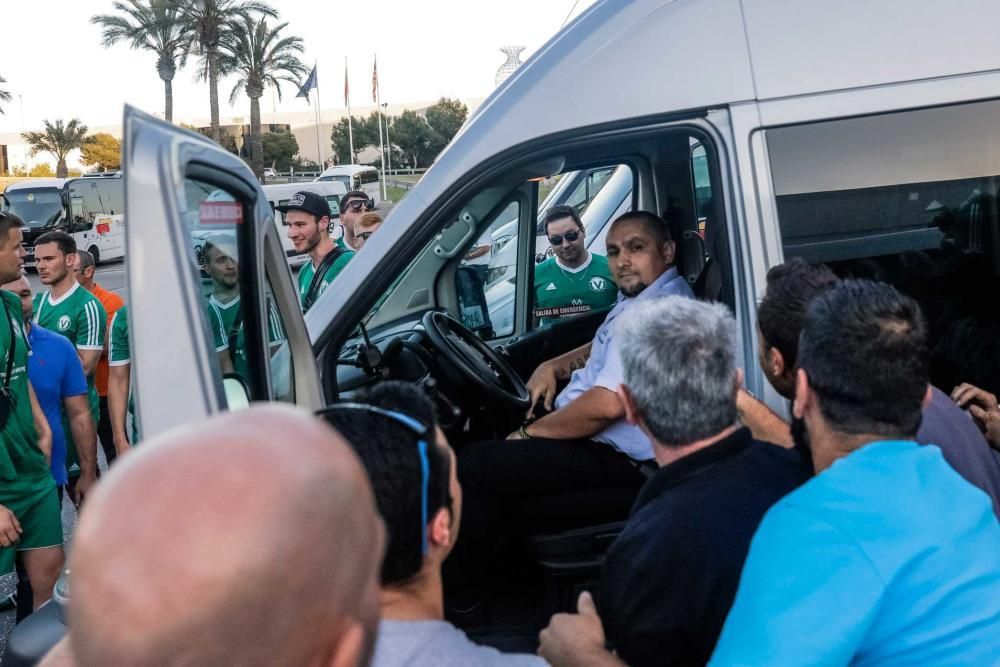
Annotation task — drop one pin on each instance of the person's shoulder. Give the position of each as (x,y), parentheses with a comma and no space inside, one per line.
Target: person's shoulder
(599,262)
(14,300)
(546,267)
(438,643)
(110,300)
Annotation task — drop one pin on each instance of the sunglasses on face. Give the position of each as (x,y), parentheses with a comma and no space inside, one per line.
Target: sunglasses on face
(364,236)
(357,204)
(569,236)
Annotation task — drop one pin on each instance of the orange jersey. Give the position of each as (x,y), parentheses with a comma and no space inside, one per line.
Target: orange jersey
(111,303)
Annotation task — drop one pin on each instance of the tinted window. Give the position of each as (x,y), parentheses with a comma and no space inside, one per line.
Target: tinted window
(37,207)
(911,199)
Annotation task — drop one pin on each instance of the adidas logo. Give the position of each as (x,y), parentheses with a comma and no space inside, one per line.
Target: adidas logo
(551,288)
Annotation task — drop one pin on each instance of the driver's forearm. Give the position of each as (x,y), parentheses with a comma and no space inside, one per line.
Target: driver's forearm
(565,364)
(590,413)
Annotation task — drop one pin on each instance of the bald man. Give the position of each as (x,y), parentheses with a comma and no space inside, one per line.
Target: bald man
(265,550)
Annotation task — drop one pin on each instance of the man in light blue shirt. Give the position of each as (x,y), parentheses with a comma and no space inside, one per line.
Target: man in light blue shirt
(888,556)
(575,465)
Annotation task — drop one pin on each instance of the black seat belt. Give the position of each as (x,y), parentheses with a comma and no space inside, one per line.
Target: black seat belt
(317,278)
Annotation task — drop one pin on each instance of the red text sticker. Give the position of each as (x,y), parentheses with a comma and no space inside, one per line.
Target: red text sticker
(220,213)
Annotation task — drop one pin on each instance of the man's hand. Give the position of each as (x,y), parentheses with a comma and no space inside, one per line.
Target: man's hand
(542,385)
(982,405)
(83,486)
(576,639)
(10,528)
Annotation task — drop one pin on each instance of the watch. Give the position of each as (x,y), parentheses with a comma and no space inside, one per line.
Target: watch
(524,434)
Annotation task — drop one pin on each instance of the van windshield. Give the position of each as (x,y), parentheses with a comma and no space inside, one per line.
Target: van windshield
(346,180)
(38,207)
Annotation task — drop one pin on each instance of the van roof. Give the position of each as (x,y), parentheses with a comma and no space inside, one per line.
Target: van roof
(625,60)
(37,183)
(345,169)
(276,190)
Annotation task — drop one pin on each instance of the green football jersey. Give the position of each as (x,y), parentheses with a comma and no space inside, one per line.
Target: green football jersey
(119,354)
(79,316)
(23,467)
(275,337)
(306,275)
(563,292)
(217,324)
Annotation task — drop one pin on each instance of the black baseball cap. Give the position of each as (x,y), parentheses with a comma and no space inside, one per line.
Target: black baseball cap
(310,202)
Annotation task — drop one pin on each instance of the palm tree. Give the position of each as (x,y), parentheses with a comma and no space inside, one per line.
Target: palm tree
(58,139)
(207,21)
(153,25)
(259,57)
(4,94)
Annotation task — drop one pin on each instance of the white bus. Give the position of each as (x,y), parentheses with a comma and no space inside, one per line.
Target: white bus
(355,177)
(91,209)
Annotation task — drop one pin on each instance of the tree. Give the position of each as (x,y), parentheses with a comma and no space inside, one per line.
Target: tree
(279,149)
(41,170)
(446,118)
(104,151)
(151,25)
(259,56)
(59,139)
(4,94)
(365,135)
(208,21)
(415,139)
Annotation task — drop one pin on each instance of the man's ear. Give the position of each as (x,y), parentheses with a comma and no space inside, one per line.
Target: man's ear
(776,362)
(350,647)
(928,397)
(669,251)
(631,411)
(439,532)
(803,394)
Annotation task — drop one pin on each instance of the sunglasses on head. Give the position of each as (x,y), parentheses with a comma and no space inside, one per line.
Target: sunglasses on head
(569,236)
(424,435)
(357,204)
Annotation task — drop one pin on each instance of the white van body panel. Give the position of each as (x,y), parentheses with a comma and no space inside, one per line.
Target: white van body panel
(282,191)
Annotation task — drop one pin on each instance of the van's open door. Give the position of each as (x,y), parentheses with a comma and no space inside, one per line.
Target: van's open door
(210,294)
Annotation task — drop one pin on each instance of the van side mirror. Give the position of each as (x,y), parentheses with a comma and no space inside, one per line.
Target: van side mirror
(472,302)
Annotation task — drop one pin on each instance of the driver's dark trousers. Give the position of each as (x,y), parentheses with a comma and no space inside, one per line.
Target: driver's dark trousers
(515,488)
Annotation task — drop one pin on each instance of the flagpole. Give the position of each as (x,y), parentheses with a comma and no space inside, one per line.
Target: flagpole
(378,102)
(319,150)
(350,120)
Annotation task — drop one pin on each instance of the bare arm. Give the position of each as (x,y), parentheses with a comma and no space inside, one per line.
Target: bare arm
(118,384)
(588,414)
(577,640)
(542,383)
(81,424)
(89,360)
(41,425)
(478,251)
(762,421)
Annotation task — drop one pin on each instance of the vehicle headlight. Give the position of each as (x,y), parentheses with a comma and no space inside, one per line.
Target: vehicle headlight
(496,273)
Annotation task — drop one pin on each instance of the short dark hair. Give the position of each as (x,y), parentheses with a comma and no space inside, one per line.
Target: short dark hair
(790,288)
(388,451)
(66,243)
(864,348)
(86,260)
(559,212)
(653,223)
(8,221)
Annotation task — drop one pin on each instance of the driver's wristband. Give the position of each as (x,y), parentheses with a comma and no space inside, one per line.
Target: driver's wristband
(524,434)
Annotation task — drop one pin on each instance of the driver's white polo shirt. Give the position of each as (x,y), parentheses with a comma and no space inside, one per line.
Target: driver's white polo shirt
(604,368)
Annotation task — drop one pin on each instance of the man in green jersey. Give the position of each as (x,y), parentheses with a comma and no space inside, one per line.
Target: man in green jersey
(223,268)
(68,309)
(575,280)
(120,401)
(29,506)
(308,218)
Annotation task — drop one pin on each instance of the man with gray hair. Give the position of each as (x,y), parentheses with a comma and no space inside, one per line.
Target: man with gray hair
(670,577)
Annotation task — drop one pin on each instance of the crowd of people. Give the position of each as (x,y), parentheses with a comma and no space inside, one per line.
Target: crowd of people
(865,529)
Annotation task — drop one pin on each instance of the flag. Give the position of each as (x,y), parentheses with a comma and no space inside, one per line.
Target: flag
(308,84)
(347,90)
(375,81)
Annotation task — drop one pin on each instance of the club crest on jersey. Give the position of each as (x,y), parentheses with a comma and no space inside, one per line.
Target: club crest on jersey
(64,323)
(598,284)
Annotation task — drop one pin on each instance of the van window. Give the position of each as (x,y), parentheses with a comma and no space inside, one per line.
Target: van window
(91,197)
(911,199)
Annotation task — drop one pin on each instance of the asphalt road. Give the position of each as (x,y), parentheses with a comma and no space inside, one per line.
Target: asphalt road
(110,276)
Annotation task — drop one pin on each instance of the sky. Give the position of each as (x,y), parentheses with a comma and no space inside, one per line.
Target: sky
(55,65)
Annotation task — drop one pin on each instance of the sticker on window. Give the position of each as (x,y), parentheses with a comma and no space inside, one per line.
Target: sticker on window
(220,213)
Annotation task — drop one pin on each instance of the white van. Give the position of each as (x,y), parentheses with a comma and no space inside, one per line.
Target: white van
(282,192)
(91,209)
(861,134)
(355,177)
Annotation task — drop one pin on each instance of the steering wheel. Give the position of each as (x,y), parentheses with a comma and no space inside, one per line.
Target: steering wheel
(477,361)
